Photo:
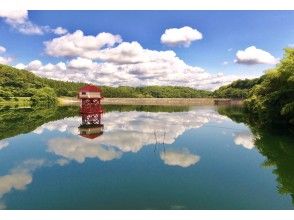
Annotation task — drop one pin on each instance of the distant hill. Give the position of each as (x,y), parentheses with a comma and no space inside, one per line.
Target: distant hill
(22,83)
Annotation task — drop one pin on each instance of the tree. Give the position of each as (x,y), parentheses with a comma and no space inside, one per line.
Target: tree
(44,96)
(272,101)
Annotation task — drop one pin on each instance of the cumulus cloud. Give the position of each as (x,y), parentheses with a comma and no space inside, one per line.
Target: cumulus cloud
(81,63)
(245,139)
(77,44)
(14,16)
(180,36)
(19,20)
(182,159)
(253,55)
(125,64)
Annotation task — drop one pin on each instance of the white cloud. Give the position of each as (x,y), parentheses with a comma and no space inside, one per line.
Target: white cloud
(80,149)
(246,139)
(77,44)
(19,20)
(180,36)
(16,16)
(252,55)
(225,63)
(18,178)
(5,60)
(182,159)
(59,31)
(81,63)
(2,49)
(126,64)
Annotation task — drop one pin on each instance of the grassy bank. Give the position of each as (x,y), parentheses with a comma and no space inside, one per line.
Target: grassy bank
(149,101)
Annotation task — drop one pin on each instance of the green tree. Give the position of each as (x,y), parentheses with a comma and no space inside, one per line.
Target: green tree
(272,101)
(44,96)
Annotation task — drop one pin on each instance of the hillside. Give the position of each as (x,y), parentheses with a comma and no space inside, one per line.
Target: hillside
(237,89)
(22,83)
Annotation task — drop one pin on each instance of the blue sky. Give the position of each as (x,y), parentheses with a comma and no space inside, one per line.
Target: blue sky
(224,33)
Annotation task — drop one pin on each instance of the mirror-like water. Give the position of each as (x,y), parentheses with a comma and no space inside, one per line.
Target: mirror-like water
(142,158)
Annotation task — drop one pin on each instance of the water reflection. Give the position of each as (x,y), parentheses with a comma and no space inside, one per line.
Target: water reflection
(245,139)
(72,137)
(130,132)
(91,126)
(18,178)
(182,159)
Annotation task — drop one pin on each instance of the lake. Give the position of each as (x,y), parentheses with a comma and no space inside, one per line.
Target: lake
(143,157)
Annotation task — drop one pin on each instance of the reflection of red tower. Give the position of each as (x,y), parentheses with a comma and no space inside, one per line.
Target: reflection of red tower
(91,111)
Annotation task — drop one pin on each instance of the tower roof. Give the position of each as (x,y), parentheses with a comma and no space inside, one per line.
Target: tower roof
(90,88)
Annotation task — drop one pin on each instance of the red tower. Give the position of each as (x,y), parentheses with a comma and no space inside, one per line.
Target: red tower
(91,111)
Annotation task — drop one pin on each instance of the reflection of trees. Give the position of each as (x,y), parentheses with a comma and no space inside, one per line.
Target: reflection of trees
(276,146)
(19,121)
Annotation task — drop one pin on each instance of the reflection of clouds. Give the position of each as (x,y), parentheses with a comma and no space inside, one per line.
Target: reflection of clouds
(3,144)
(79,149)
(64,125)
(182,159)
(245,138)
(129,132)
(18,178)
(62,162)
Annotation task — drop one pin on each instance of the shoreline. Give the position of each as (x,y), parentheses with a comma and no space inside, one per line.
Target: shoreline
(156,101)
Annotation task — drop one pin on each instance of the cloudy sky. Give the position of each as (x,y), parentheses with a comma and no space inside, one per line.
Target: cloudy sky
(199,49)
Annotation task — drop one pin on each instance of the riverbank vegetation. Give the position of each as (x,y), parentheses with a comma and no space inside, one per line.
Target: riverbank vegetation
(270,98)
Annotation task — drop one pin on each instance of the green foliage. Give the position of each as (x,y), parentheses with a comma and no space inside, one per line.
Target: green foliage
(153,92)
(237,89)
(44,96)
(20,121)
(22,83)
(272,100)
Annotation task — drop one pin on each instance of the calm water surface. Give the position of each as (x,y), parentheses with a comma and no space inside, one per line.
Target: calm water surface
(146,158)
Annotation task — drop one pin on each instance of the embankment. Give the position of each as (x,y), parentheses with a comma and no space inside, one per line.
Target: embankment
(155,101)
